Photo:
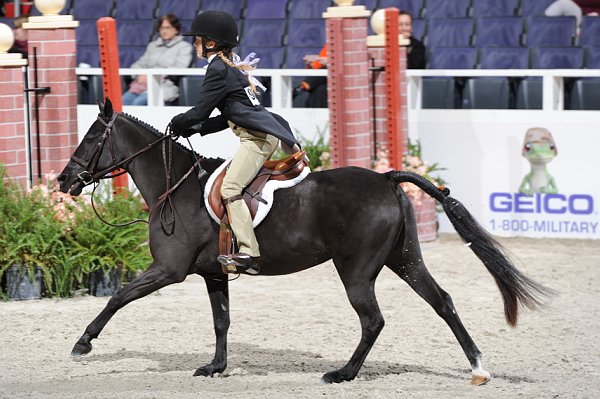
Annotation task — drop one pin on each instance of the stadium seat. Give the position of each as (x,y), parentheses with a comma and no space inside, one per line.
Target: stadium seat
(88,54)
(498,31)
(419,28)
(504,58)
(130,54)
(486,93)
(529,94)
(413,7)
(233,7)
(590,32)
(270,57)
(189,89)
(585,93)
(369,4)
(494,8)
(452,58)
(263,32)
(549,31)
(91,9)
(184,10)
(266,9)
(557,58)
(447,9)
(135,33)
(135,9)
(438,93)
(87,33)
(294,55)
(308,9)
(449,32)
(534,7)
(306,33)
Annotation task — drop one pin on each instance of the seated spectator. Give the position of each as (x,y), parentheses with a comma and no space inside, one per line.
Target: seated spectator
(315,86)
(20,44)
(574,8)
(169,50)
(415,51)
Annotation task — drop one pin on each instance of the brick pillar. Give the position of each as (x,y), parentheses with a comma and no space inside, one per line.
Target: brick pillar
(53,37)
(348,86)
(13,140)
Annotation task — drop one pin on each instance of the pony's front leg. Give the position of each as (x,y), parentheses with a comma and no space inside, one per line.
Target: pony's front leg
(154,278)
(218,292)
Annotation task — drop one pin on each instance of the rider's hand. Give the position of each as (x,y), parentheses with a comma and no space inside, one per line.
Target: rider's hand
(177,129)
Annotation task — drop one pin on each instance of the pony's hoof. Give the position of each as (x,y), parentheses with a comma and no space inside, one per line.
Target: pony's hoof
(334,377)
(207,371)
(81,348)
(480,377)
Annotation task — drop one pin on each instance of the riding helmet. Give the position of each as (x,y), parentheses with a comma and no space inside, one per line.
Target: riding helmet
(216,25)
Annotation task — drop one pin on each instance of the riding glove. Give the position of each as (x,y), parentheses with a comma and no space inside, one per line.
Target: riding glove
(177,128)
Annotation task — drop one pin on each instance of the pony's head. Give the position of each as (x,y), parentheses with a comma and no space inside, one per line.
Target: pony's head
(92,155)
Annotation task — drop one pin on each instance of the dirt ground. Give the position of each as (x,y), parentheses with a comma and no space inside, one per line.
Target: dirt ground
(287,331)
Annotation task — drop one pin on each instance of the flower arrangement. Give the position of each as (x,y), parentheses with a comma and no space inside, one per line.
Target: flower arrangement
(412,162)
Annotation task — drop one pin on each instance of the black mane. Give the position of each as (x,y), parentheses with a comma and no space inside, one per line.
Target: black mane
(209,164)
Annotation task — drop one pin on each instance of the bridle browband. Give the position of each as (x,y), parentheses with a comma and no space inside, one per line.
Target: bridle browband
(90,175)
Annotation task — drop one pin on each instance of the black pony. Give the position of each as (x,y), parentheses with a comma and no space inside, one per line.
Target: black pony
(360,219)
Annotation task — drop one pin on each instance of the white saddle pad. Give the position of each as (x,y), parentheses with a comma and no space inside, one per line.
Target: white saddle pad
(267,192)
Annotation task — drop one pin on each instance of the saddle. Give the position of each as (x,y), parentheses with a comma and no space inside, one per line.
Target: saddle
(285,169)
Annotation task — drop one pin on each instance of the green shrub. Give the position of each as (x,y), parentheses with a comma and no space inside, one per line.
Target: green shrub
(64,237)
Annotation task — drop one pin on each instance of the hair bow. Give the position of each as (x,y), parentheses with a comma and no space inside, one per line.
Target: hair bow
(249,61)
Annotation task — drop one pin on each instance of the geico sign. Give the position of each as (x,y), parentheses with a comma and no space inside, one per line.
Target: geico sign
(576,204)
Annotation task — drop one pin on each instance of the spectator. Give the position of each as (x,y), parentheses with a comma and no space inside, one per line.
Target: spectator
(575,8)
(415,51)
(169,50)
(20,44)
(315,86)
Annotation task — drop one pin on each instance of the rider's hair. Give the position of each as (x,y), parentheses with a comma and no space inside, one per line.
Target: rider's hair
(225,54)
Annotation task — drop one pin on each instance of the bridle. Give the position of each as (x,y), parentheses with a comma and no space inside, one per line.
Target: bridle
(91,175)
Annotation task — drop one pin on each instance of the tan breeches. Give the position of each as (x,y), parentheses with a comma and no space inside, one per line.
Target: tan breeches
(254,150)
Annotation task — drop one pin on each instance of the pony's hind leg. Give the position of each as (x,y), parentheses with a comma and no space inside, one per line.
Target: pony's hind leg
(361,293)
(154,278)
(410,267)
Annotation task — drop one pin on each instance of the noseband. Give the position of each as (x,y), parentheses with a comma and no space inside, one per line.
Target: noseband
(90,174)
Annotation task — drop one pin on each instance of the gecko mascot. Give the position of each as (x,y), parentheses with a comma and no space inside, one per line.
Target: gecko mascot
(539,149)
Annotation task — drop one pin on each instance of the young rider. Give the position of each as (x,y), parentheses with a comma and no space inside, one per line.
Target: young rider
(229,87)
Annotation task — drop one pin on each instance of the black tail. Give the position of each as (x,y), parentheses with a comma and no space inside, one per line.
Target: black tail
(515,287)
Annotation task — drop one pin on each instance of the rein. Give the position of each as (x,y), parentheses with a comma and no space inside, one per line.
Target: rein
(89,175)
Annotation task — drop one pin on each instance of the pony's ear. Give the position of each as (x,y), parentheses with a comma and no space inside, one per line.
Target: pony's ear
(101,106)
(108,109)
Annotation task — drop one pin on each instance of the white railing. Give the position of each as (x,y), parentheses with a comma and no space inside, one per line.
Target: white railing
(552,81)
(281,80)
(282,87)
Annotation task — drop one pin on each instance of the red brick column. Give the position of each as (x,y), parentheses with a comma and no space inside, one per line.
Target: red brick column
(348,86)
(381,94)
(56,61)
(13,142)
